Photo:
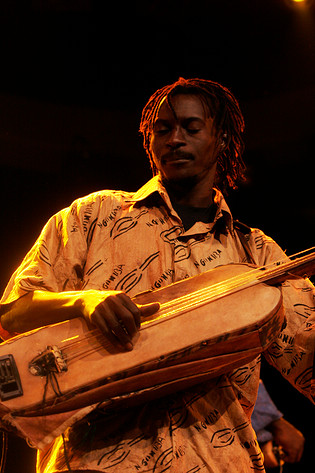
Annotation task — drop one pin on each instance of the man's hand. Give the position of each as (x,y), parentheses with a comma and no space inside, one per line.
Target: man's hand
(290,439)
(115,314)
(270,459)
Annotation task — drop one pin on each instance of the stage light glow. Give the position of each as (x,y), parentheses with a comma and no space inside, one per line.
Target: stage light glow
(300,4)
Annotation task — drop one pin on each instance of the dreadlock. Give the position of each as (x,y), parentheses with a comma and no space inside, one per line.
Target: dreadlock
(228,120)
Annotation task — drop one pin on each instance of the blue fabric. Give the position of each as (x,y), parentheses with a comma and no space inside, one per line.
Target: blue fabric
(265,412)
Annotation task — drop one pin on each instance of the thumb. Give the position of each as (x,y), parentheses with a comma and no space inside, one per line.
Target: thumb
(149,309)
(270,460)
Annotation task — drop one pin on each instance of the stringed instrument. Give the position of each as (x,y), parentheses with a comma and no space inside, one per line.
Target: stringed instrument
(206,325)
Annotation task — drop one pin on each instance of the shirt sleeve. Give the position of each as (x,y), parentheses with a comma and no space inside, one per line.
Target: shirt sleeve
(292,352)
(55,263)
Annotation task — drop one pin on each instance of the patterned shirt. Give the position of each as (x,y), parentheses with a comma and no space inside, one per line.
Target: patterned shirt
(115,240)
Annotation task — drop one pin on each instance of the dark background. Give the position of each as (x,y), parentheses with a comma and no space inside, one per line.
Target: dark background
(74,77)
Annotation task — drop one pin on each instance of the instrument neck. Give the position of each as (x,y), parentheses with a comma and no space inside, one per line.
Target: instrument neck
(303,266)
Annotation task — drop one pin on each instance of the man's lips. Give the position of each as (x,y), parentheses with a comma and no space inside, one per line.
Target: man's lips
(176,157)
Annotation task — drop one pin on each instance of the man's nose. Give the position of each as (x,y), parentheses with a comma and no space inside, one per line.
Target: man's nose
(176,138)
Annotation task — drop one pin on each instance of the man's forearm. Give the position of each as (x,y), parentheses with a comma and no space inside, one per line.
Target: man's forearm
(40,308)
(113,312)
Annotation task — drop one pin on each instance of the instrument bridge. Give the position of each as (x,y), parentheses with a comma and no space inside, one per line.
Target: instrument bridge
(49,361)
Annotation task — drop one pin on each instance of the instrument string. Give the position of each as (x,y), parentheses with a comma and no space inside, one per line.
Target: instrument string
(237,282)
(168,309)
(82,346)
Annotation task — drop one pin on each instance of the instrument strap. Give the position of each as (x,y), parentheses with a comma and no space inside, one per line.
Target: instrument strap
(242,230)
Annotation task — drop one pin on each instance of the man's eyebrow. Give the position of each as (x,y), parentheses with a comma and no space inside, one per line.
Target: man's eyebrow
(161,120)
(186,120)
(192,119)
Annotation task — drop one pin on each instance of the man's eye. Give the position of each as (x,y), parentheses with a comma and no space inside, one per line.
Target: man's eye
(193,131)
(162,131)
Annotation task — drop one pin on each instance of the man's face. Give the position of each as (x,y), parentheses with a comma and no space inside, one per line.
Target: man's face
(184,141)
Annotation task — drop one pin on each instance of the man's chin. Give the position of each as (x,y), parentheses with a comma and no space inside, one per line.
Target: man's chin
(182,181)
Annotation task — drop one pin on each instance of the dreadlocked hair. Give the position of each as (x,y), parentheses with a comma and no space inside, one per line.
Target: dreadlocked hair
(228,121)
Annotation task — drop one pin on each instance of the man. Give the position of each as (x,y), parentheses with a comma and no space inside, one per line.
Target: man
(279,440)
(91,258)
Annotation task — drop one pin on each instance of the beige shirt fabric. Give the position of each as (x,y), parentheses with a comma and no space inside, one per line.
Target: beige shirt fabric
(136,242)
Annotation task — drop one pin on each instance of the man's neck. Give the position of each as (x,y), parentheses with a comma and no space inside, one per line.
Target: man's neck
(190,196)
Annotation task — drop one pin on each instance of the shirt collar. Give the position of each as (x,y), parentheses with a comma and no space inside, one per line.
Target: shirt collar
(155,185)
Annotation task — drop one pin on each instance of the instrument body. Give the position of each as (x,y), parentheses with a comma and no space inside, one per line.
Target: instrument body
(207,325)
(172,352)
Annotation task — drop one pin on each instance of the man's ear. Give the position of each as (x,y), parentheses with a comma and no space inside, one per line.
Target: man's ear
(223,141)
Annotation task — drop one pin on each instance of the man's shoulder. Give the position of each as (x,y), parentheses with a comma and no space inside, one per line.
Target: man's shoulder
(108,197)
(247,230)
(242,227)
(103,197)
(94,205)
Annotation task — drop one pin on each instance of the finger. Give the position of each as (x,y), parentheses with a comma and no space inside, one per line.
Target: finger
(120,332)
(127,317)
(98,320)
(292,456)
(121,314)
(299,455)
(149,309)
(109,324)
(270,460)
(133,308)
(301,449)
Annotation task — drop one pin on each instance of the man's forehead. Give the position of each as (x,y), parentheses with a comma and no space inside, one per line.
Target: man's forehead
(182,105)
